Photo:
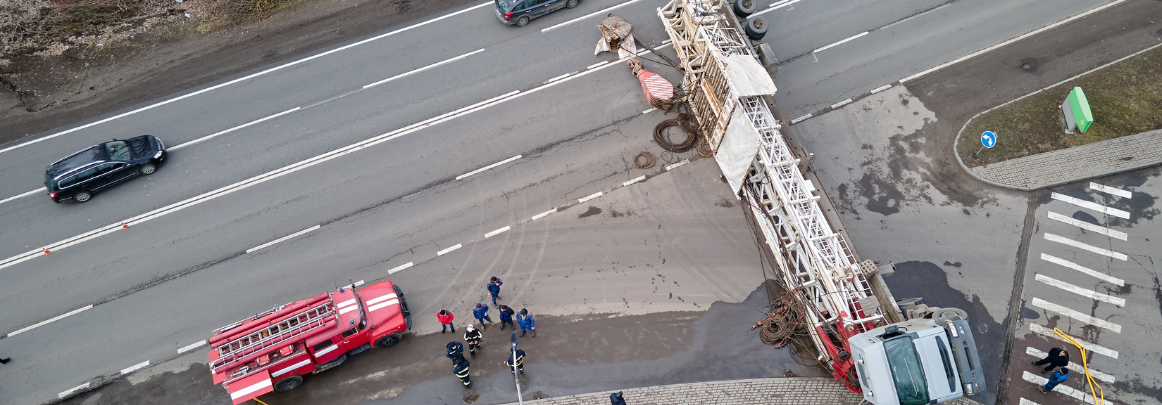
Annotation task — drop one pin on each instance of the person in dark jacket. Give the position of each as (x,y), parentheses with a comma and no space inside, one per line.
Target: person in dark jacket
(520,361)
(616,399)
(474,339)
(494,288)
(454,351)
(505,316)
(445,317)
(1057,377)
(1057,357)
(527,323)
(5,360)
(461,371)
(480,312)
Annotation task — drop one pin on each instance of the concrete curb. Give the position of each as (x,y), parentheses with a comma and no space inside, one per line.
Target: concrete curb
(1047,184)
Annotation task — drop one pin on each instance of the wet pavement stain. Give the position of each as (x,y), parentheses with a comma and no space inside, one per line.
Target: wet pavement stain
(590,212)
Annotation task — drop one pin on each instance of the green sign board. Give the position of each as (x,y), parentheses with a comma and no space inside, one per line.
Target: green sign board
(1078,112)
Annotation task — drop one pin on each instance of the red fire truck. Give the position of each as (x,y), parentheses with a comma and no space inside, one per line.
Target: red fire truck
(273,350)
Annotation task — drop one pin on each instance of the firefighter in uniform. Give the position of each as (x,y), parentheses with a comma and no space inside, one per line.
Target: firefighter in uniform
(474,339)
(454,351)
(461,370)
(520,361)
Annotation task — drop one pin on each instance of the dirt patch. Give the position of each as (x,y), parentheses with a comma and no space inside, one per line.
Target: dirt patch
(1124,99)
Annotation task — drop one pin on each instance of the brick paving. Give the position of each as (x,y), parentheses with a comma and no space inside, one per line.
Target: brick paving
(1077,163)
(764,391)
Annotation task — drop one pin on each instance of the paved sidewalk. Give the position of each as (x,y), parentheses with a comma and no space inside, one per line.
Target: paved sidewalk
(1074,164)
(764,391)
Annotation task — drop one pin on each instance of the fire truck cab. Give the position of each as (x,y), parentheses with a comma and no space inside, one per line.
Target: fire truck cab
(273,350)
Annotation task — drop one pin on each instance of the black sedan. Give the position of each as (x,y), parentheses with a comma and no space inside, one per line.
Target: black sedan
(520,12)
(78,176)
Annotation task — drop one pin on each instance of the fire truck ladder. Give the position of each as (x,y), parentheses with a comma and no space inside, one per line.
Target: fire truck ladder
(305,321)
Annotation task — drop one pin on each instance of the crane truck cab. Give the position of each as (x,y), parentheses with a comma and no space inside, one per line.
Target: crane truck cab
(918,361)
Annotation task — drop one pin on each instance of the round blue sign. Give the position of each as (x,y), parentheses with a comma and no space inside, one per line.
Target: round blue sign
(988,139)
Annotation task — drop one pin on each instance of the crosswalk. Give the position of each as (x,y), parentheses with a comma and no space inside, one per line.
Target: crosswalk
(1069,289)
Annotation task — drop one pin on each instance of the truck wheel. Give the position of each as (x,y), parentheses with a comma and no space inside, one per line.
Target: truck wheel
(954,313)
(756,28)
(522,21)
(744,8)
(289,383)
(388,341)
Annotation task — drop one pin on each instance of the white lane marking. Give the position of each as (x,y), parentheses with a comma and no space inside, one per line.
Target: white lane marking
(226,131)
(400,267)
(589,197)
(282,239)
(1089,347)
(558,78)
(382,299)
(881,88)
(244,78)
(496,232)
(604,62)
(73,390)
(1014,39)
(449,249)
(1091,206)
(1100,230)
(462,176)
(24,194)
(1062,388)
(135,367)
(677,165)
(634,180)
(1111,190)
(1093,273)
(851,38)
(1070,242)
(841,104)
(1080,317)
(357,283)
(801,119)
(649,111)
(1084,292)
(432,66)
(544,214)
(192,346)
(553,27)
(293,367)
(1027,402)
(51,320)
(777,5)
(1073,366)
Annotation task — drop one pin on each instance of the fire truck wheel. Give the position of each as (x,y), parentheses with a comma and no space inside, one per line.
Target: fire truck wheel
(388,341)
(288,383)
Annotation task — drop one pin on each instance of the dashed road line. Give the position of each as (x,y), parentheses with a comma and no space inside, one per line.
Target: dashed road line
(1084,292)
(848,39)
(634,180)
(282,239)
(1070,242)
(1078,316)
(649,111)
(432,66)
(1091,206)
(462,176)
(449,249)
(72,391)
(558,78)
(191,346)
(1089,347)
(841,104)
(1111,190)
(1027,402)
(400,267)
(544,214)
(1073,366)
(604,11)
(135,367)
(51,320)
(1090,272)
(582,200)
(598,64)
(1062,388)
(24,194)
(677,165)
(1101,230)
(801,119)
(881,88)
(226,131)
(496,232)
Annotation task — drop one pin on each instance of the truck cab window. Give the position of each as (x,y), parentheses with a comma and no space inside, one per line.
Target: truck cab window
(907,372)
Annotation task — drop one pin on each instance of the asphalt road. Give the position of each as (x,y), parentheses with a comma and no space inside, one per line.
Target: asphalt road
(278,148)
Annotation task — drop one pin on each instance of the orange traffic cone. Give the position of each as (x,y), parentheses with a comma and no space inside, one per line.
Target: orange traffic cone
(124,226)
(46,252)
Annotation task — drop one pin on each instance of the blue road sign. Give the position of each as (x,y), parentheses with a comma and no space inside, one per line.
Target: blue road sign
(988,139)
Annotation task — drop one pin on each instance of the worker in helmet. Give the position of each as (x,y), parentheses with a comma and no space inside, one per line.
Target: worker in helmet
(518,359)
(454,351)
(460,368)
(474,339)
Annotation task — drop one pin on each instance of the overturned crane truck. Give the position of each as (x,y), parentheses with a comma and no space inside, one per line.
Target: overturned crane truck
(921,355)
(273,350)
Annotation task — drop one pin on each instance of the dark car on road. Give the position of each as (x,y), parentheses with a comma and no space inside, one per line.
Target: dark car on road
(80,175)
(520,12)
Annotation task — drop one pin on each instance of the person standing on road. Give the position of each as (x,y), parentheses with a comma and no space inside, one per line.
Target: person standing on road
(505,316)
(460,368)
(494,289)
(480,312)
(616,399)
(454,351)
(527,323)
(1057,357)
(445,319)
(1057,377)
(5,360)
(474,339)
(519,360)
